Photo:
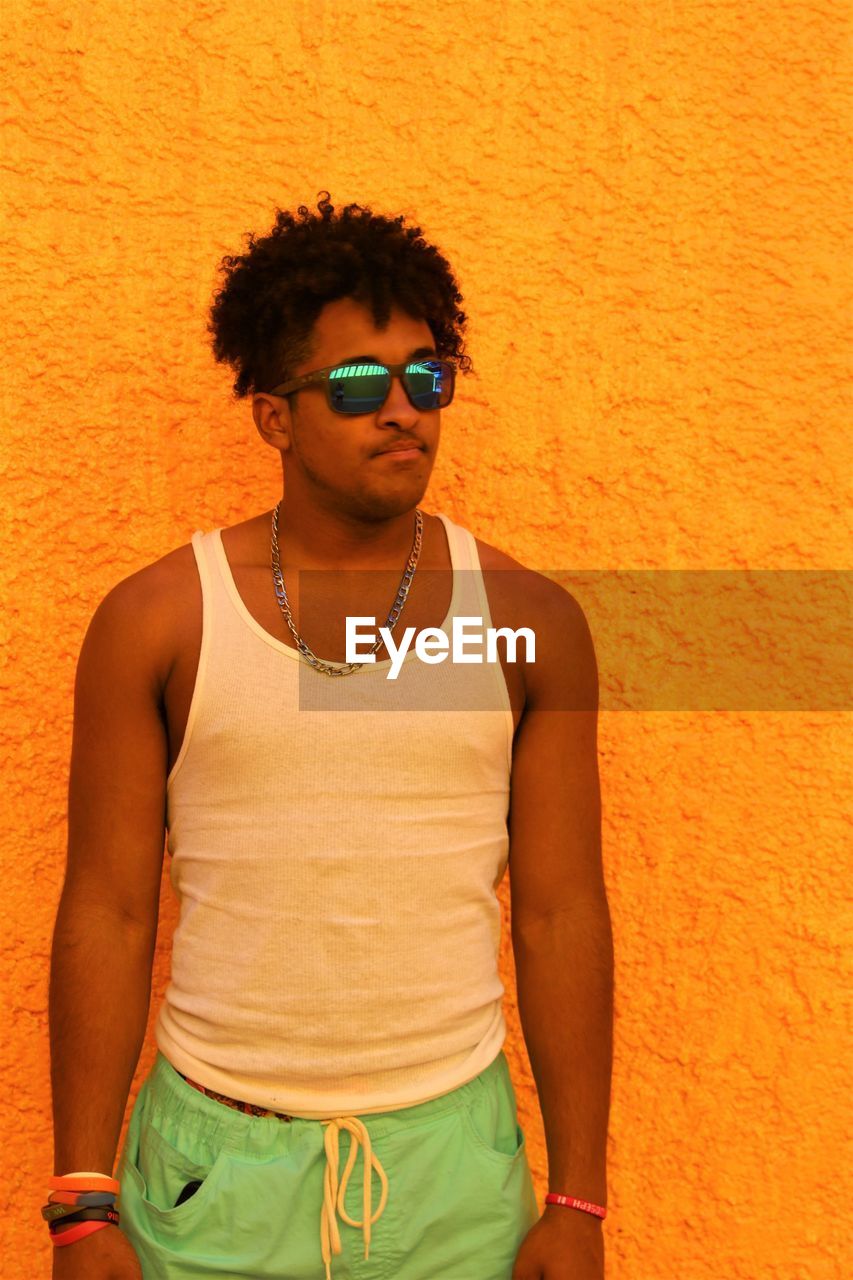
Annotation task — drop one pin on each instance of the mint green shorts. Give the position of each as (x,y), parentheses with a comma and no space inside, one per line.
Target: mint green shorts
(447,1185)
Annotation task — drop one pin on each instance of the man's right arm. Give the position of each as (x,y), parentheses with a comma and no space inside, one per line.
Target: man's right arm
(106,922)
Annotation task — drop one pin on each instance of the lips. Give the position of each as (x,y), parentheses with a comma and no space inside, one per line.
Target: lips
(403,447)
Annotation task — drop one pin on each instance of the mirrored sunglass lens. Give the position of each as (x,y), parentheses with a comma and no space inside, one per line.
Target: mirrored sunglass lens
(358,388)
(430,382)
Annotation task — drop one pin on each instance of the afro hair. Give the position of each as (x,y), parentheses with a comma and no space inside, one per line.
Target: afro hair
(261,318)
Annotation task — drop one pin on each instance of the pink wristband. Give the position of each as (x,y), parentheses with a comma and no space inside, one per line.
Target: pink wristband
(77,1232)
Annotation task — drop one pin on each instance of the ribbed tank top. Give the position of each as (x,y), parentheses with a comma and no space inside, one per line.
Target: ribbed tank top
(336,846)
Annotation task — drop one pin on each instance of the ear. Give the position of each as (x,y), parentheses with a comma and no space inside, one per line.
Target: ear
(273,420)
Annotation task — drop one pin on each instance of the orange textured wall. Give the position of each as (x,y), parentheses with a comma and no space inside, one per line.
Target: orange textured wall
(647,207)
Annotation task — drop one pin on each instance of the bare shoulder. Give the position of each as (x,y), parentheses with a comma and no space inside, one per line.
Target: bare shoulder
(163,599)
(565,672)
(493,558)
(523,586)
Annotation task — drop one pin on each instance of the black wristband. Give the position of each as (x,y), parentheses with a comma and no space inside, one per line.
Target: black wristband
(57,1210)
(94,1214)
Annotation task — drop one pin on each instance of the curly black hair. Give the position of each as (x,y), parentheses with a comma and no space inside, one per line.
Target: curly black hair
(261,318)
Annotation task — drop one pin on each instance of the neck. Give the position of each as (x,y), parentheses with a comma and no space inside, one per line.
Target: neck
(344,540)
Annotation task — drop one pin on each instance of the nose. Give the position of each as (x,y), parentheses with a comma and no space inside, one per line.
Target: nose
(397,402)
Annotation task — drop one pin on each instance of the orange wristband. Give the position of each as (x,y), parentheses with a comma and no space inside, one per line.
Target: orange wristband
(83,1182)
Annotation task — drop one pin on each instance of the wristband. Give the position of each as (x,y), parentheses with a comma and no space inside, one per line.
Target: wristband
(77,1232)
(56,1211)
(572,1202)
(82,1197)
(95,1214)
(83,1182)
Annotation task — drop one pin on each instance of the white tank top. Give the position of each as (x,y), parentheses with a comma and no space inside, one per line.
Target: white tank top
(337,844)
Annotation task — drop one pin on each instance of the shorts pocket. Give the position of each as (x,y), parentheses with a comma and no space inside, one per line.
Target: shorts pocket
(491,1122)
(160,1170)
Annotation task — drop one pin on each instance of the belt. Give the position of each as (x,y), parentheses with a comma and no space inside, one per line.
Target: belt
(333,1193)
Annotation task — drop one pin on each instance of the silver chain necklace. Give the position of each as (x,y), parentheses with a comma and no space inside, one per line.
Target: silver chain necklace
(391,621)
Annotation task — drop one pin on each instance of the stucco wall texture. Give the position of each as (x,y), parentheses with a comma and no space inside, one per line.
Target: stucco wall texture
(647,206)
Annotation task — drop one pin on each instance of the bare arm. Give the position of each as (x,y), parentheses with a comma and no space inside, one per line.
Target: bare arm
(100,988)
(106,922)
(561,929)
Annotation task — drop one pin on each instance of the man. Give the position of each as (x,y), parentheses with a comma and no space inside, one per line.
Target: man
(337,839)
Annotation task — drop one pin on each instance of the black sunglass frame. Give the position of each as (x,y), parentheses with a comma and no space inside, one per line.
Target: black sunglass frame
(323,377)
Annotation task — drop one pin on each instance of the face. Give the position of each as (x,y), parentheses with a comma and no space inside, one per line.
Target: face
(332,461)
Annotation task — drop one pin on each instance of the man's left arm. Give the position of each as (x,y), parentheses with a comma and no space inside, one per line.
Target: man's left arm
(561,931)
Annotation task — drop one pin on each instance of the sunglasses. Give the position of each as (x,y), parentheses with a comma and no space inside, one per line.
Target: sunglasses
(363,388)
